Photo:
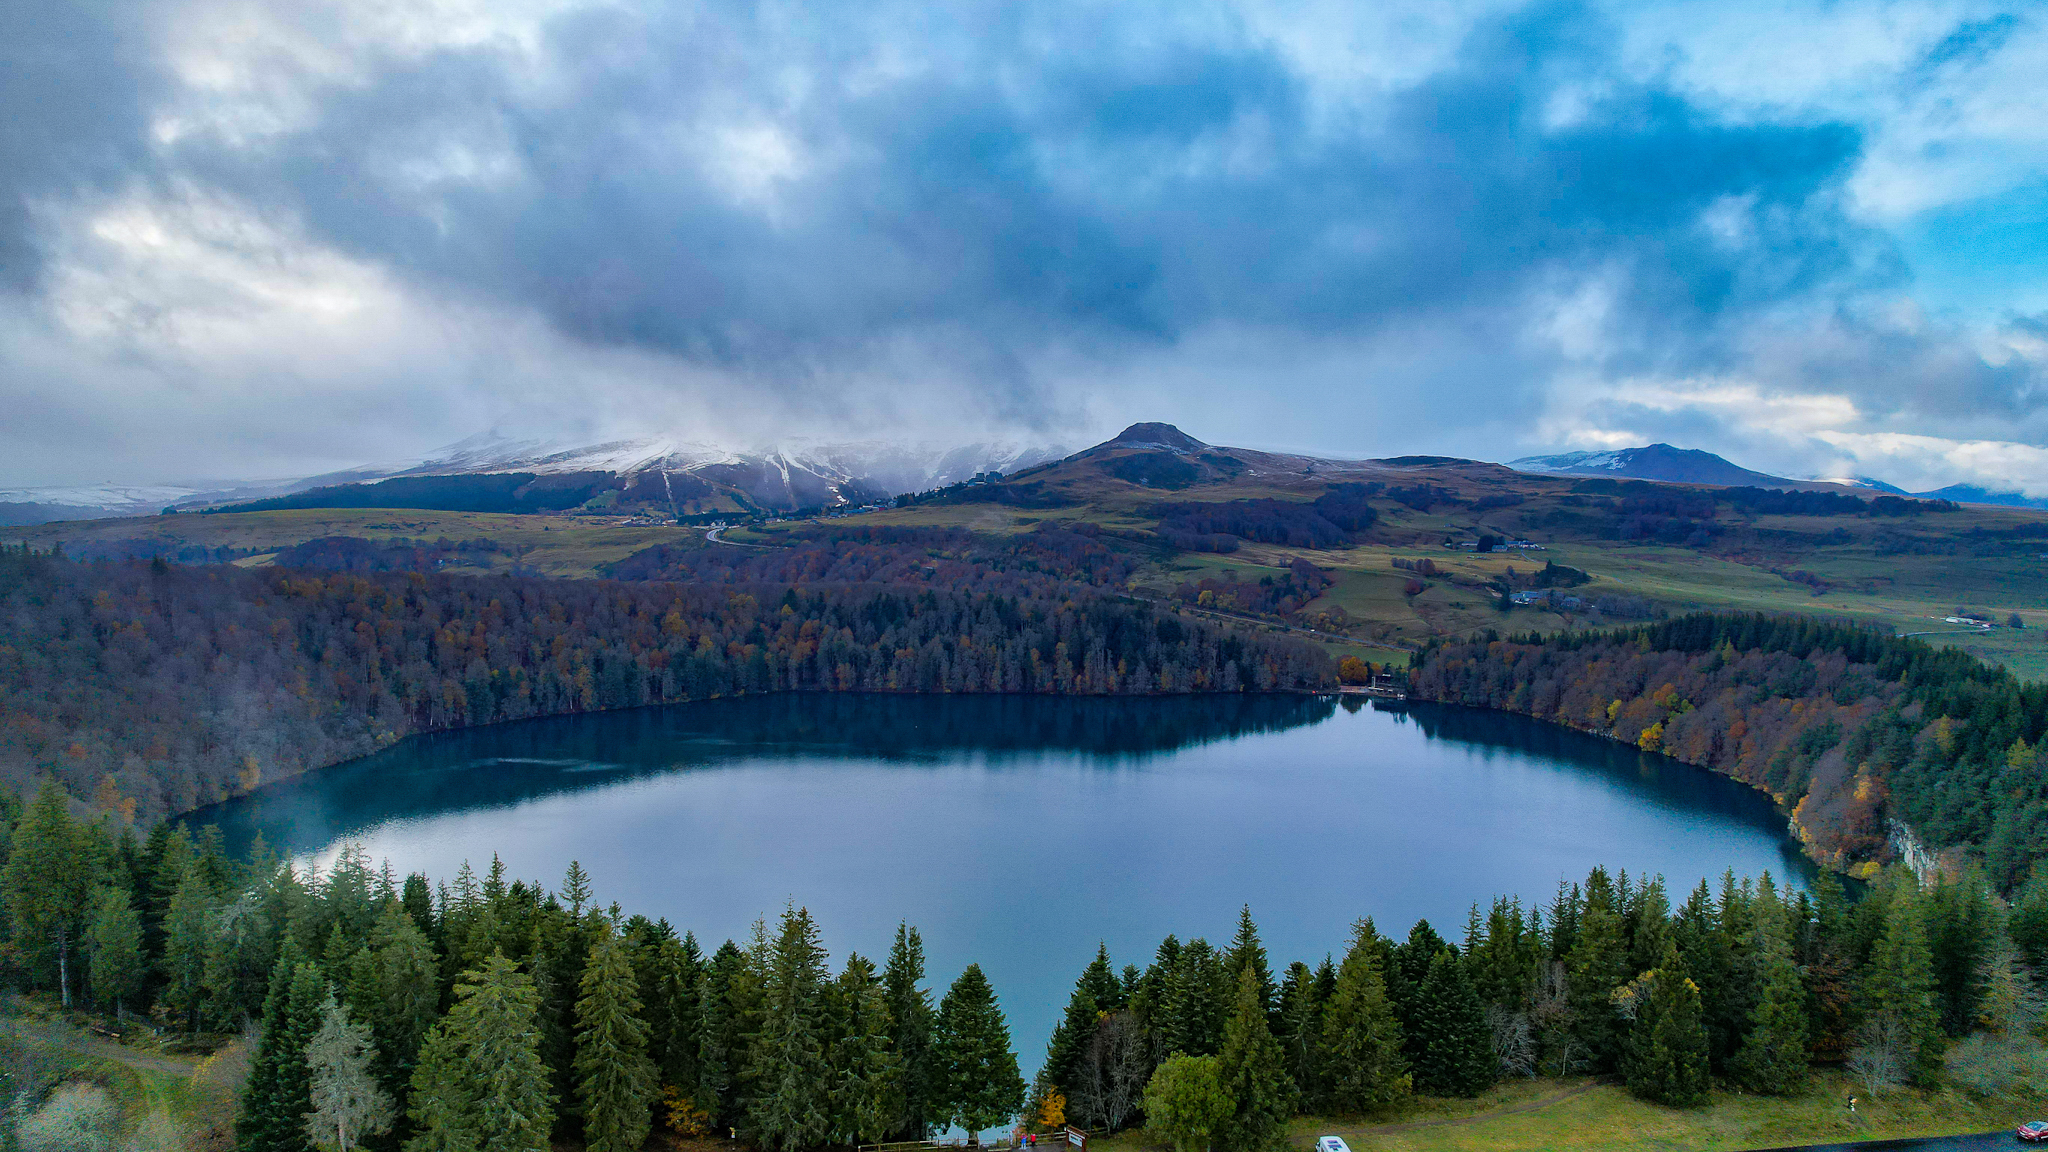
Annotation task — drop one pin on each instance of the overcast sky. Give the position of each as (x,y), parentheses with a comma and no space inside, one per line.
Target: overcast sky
(249,238)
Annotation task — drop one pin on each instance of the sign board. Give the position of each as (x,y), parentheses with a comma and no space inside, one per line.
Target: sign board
(1076,1138)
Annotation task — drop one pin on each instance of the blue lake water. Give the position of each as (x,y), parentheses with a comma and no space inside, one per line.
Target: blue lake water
(1019,831)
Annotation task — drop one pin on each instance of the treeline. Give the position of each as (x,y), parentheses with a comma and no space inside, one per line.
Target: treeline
(1858,733)
(488,1012)
(1747,988)
(1046,561)
(148,688)
(1331,520)
(398,554)
(1283,595)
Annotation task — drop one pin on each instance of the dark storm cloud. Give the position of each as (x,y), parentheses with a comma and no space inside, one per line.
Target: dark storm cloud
(75,83)
(1127,186)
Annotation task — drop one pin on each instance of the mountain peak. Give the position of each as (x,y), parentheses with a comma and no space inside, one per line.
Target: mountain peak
(1163,435)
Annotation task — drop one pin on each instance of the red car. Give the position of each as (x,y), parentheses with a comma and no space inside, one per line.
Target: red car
(2033,1132)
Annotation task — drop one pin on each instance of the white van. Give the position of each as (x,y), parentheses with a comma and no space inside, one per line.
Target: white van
(1331,1144)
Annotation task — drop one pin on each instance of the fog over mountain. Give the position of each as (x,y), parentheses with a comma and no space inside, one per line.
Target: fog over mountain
(281,240)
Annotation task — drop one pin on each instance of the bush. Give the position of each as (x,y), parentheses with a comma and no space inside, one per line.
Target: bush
(76,1118)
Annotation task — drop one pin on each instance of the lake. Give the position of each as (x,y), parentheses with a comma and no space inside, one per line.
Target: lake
(1019,831)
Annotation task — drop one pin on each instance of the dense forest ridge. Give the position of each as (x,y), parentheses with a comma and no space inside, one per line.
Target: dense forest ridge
(491,1012)
(147,689)
(1874,744)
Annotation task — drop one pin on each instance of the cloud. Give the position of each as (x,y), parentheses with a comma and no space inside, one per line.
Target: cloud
(345,230)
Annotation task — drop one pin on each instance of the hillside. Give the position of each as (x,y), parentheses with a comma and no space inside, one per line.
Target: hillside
(1371,550)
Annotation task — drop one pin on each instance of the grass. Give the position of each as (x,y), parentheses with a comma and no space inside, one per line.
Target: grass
(1533,1115)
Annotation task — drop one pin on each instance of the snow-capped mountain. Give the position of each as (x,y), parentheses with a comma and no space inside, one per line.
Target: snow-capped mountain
(683,473)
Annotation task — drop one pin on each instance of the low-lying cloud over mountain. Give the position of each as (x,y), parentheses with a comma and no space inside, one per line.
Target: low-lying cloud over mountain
(253,240)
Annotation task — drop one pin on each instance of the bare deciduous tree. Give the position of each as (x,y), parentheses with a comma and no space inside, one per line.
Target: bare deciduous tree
(1878,1061)
(1514,1048)
(1113,1072)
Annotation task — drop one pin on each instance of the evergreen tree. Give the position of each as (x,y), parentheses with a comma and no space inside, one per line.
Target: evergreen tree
(972,1057)
(614,1078)
(480,1085)
(1598,964)
(867,1093)
(1073,1035)
(786,1069)
(1252,1073)
(1898,985)
(47,884)
(406,992)
(1246,952)
(1773,1059)
(1300,1032)
(279,1092)
(910,1033)
(1667,1059)
(1362,1042)
(347,1102)
(187,942)
(1452,1044)
(114,946)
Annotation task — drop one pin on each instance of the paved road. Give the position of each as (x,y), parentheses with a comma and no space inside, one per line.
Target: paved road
(2004,1139)
(713,537)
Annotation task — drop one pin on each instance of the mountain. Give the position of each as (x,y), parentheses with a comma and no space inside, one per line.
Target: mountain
(1655,462)
(1971,494)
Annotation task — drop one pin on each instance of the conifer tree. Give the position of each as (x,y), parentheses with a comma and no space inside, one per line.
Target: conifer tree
(1247,952)
(972,1056)
(114,945)
(1362,1062)
(1598,964)
(480,1085)
(347,1102)
(186,944)
(786,1069)
(279,1092)
(1452,1044)
(615,1080)
(910,1033)
(1252,1073)
(1302,1006)
(1773,1059)
(867,1092)
(1074,1033)
(1667,1058)
(1898,985)
(47,884)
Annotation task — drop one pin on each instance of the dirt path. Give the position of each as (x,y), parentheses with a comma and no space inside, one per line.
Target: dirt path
(72,1040)
(1480,1118)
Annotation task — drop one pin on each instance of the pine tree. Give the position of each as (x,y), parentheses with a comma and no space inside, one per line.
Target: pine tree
(972,1057)
(279,1092)
(1898,985)
(348,1103)
(1667,1058)
(1247,952)
(1452,1044)
(786,1069)
(1300,1033)
(1073,1035)
(47,885)
(910,1033)
(1773,1059)
(615,1080)
(1253,1073)
(480,1085)
(1362,1061)
(1598,964)
(187,942)
(867,1093)
(407,991)
(114,947)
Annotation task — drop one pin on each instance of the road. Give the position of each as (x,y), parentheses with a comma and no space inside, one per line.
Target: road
(1917,1144)
(713,537)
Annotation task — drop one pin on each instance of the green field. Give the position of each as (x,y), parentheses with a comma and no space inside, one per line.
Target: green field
(1534,1115)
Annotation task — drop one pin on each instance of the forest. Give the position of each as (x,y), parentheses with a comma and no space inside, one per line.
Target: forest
(1876,745)
(147,688)
(1742,989)
(487,1011)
